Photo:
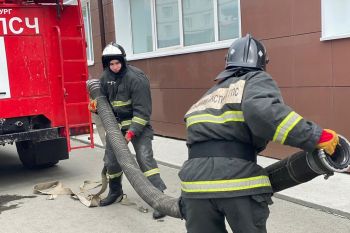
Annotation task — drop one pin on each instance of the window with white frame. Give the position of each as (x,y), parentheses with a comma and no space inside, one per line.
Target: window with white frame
(167,23)
(199,26)
(88,32)
(335,19)
(151,28)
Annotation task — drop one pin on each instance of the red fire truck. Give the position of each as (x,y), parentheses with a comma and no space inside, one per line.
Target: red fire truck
(43,70)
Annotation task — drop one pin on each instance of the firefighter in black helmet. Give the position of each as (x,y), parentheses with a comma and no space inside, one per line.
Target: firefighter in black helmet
(226,129)
(128,91)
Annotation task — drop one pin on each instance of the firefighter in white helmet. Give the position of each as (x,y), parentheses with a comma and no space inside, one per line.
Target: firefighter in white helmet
(127,89)
(226,129)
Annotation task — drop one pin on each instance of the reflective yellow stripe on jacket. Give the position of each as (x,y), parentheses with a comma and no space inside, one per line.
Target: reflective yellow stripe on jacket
(152,172)
(139,120)
(121,103)
(124,124)
(226,185)
(127,123)
(286,126)
(221,119)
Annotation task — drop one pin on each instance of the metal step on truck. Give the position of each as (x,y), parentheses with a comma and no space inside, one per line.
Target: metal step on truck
(43,70)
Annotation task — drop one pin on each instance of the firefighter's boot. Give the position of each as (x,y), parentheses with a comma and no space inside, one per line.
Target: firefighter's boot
(115,193)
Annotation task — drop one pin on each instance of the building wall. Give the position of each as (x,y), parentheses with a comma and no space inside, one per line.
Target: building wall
(312,75)
(109,33)
(176,83)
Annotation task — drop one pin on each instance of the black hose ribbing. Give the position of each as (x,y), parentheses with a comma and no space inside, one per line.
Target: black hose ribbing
(143,187)
(290,172)
(303,166)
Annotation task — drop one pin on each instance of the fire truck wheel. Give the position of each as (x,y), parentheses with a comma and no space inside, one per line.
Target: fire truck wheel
(30,156)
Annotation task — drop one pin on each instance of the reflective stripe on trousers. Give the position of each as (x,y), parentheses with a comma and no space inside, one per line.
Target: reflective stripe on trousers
(144,156)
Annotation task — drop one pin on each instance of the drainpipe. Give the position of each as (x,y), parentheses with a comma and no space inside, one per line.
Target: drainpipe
(102,24)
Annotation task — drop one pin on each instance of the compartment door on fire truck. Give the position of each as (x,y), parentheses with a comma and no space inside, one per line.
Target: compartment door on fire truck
(4,77)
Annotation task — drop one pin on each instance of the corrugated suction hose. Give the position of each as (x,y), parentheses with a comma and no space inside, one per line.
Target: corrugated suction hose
(144,188)
(303,166)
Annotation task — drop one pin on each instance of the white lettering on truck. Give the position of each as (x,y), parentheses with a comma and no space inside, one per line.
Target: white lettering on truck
(5,11)
(16,25)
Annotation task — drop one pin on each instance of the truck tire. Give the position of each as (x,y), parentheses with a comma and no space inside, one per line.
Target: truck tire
(42,154)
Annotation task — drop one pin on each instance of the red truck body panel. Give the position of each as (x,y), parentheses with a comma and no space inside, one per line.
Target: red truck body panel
(43,65)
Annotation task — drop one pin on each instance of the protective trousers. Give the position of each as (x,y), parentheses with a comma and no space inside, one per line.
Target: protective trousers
(144,156)
(246,214)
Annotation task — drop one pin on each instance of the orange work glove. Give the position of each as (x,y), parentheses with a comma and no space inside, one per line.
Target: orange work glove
(328,141)
(93,106)
(129,136)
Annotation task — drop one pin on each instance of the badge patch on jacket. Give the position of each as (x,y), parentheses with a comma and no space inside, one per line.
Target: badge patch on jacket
(220,97)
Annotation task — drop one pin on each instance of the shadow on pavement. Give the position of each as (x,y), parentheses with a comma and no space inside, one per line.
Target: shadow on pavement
(4,199)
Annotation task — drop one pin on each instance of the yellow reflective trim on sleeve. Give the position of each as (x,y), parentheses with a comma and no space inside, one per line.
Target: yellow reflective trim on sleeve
(115,175)
(290,128)
(280,126)
(139,120)
(286,126)
(228,116)
(226,185)
(125,123)
(121,103)
(151,172)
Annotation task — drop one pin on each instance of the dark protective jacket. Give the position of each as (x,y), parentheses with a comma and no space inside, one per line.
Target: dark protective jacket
(130,97)
(246,112)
